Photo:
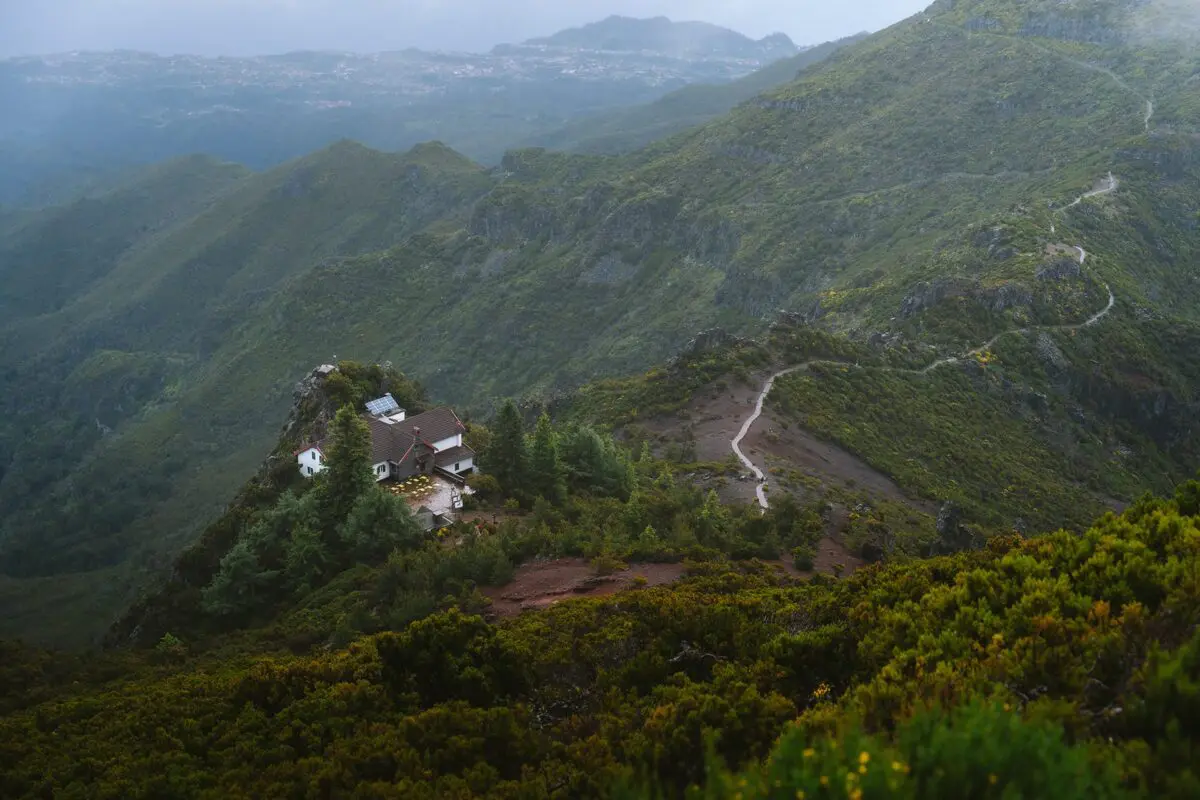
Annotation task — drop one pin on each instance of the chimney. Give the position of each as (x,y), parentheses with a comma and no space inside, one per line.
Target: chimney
(416,431)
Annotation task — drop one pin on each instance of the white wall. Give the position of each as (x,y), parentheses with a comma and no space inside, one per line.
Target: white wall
(382,476)
(446,444)
(311,458)
(463,466)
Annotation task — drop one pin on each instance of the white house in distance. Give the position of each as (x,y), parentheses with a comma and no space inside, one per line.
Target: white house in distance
(403,446)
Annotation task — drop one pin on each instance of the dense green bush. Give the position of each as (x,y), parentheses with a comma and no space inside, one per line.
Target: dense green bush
(1060,666)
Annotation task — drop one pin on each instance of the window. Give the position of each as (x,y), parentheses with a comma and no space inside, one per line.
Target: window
(310,472)
(456,466)
(382,469)
(314,455)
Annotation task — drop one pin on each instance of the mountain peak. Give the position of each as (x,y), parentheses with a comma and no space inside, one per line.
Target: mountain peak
(686,40)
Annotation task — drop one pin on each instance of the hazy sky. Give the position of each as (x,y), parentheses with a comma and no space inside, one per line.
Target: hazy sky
(240,27)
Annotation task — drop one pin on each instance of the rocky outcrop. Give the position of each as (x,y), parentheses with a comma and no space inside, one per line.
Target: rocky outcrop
(1002,298)
(885,340)
(1060,269)
(953,535)
(1071,28)
(923,296)
(997,241)
(1050,354)
(517,215)
(983,24)
(311,410)
(707,341)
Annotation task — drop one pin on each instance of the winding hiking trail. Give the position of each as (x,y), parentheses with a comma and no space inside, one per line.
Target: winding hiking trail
(1110,185)
(760,490)
(761,477)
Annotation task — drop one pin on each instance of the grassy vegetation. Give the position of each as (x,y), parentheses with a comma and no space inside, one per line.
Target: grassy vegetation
(1059,666)
(914,185)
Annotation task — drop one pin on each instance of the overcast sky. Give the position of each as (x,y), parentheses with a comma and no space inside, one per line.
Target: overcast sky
(241,27)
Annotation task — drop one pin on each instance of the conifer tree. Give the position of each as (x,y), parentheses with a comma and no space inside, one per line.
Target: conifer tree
(240,581)
(348,475)
(507,459)
(378,524)
(547,477)
(306,559)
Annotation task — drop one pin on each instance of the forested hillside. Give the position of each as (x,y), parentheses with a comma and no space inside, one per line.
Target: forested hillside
(1016,176)
(326,643)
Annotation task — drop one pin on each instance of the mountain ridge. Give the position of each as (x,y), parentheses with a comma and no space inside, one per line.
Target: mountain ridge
(76,118)
(663,35)
(626,130)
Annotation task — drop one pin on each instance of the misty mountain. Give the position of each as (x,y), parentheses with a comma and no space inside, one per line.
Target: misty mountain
(74,117)
(623,130)
(683,40)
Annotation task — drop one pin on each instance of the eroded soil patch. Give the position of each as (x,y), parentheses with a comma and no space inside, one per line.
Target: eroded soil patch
(544,583)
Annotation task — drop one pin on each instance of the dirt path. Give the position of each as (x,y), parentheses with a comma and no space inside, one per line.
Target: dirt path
(757,413)
(760,489)
(1111,184)
(1117,79)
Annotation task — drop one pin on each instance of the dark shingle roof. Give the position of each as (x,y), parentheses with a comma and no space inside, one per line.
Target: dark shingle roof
(435,425)
(453,455)
(388,442)
(394,441)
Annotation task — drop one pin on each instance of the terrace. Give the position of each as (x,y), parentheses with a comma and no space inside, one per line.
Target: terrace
(433,492)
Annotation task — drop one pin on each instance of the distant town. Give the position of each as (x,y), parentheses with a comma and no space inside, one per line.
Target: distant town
(338,80)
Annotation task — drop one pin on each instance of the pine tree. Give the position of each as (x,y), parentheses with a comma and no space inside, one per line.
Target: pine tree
(507,459)
(348,476)
(240,581)
(595,464)
(306,559)
(378,524)
(547,477)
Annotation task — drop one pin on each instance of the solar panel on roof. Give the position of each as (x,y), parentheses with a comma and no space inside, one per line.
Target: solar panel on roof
(384,405)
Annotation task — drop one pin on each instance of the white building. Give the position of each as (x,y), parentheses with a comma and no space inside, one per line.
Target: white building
(403,446)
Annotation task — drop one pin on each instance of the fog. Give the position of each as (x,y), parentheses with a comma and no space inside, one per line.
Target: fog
(246,27)
(1168,19)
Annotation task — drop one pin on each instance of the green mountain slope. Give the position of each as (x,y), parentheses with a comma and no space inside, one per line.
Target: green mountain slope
(1059,666)
(317,634)
(915,195)
(628,129)
(57,256)
(122,355)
